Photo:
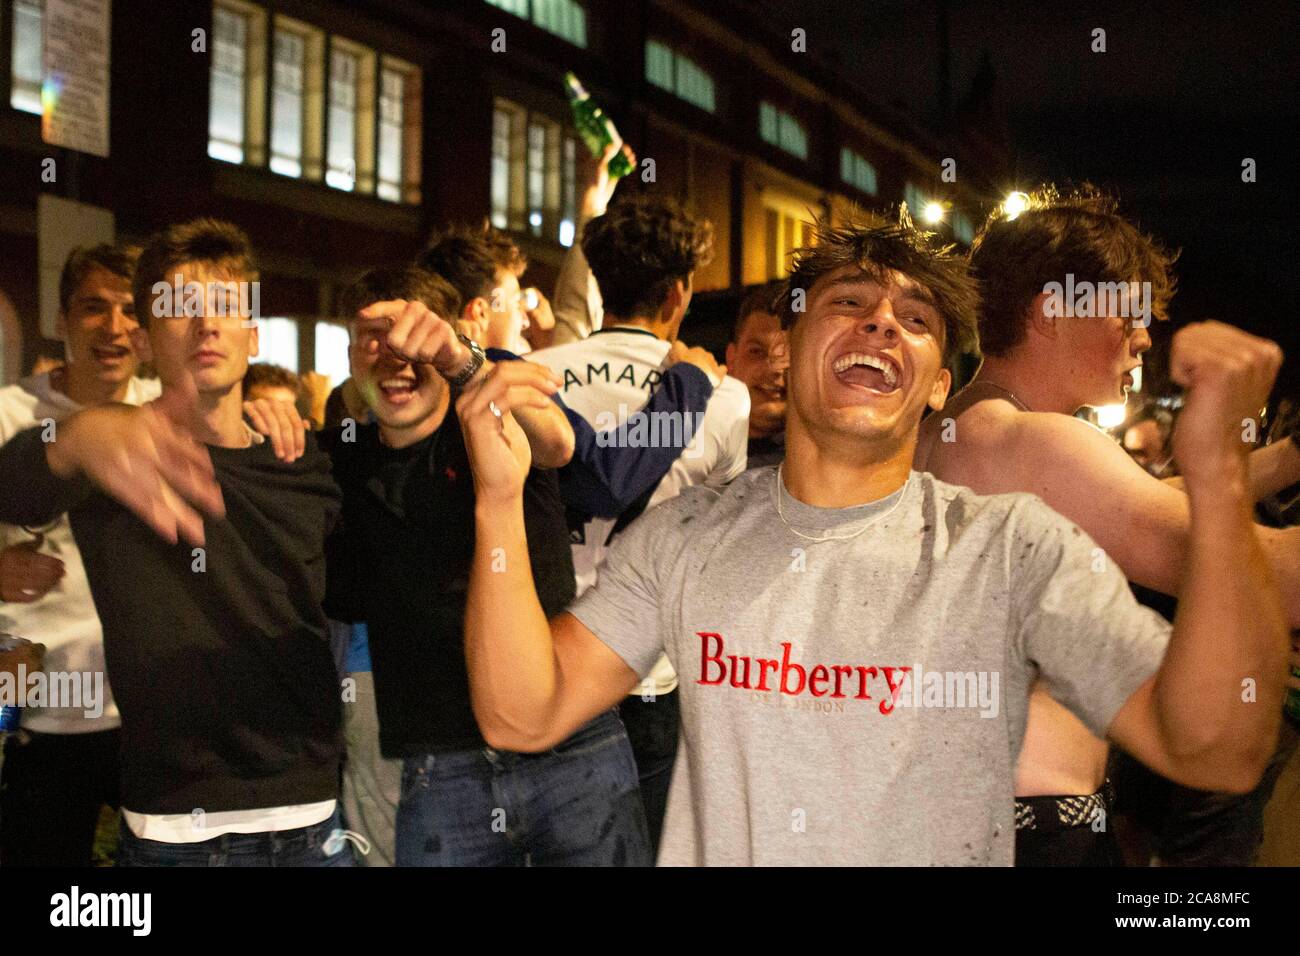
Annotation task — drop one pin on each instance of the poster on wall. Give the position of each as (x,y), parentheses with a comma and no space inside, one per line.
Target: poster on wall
(74,89)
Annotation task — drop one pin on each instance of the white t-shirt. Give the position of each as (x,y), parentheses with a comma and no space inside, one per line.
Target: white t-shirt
(608,376)
(64,619)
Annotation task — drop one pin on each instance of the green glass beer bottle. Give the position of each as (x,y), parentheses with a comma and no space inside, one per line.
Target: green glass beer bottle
(596,129)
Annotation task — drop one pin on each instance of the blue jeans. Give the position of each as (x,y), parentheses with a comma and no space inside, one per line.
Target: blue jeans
(320,844)
(575,805)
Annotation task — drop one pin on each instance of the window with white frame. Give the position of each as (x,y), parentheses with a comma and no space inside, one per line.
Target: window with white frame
(25,50)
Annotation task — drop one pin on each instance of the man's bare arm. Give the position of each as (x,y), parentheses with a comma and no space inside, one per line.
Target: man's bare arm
(1193,721)
(532,682)
(1143,524)
(1208,718)
(1272,469)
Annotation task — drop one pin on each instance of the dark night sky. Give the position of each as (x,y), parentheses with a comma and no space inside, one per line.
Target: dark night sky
(1164,118)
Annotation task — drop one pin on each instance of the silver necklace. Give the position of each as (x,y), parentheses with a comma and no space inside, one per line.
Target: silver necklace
(1005,391)
(833,537)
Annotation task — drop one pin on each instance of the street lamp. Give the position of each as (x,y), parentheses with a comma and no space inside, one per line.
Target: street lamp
(1014,204)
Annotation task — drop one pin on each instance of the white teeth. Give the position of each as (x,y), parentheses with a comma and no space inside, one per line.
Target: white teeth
(886,369)
(405,383)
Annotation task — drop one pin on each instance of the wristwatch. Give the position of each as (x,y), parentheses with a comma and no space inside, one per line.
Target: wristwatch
(476,360)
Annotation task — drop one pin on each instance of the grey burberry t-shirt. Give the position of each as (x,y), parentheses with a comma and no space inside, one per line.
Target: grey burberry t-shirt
(862,701)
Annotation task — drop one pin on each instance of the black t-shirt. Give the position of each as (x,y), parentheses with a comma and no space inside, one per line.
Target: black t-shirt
(401,563)
(219,661)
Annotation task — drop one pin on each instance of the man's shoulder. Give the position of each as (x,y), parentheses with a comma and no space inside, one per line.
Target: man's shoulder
(995,447)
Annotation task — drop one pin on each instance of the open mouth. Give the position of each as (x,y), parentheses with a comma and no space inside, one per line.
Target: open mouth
(867,371)
(110,353)
(398,391)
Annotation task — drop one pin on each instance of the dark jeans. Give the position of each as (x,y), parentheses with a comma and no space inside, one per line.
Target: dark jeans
(575,805)
(321,844)
(653,727)
(1198,827)
(51,792)
(1221,829)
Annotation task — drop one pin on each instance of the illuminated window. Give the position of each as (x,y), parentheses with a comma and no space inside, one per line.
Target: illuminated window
(781,129)
(569,190)
(237,86)
(565,18)
(332,351)
(857,171)
(277,342)
(349,155)
(785,229)
(533,186)
(679,74)
(962,229)
(399,132)
(543,176)
(339,110)
(915,200)
(25,93)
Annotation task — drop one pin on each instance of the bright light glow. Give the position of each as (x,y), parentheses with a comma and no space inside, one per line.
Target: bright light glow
(1108,416)
(933,213)
(1015,204)
(332,351)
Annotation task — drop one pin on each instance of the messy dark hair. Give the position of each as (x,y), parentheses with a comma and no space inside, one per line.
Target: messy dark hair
(761,299)
(878,247)
(401,282)
(117,259)
(469,257)
(1079,232)
(639,248)
(211,242)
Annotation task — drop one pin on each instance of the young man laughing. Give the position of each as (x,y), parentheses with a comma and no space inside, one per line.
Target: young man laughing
(844,557)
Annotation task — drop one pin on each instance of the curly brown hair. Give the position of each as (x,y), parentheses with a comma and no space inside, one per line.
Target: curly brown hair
(877,247)
(1079,232)
(639,248)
